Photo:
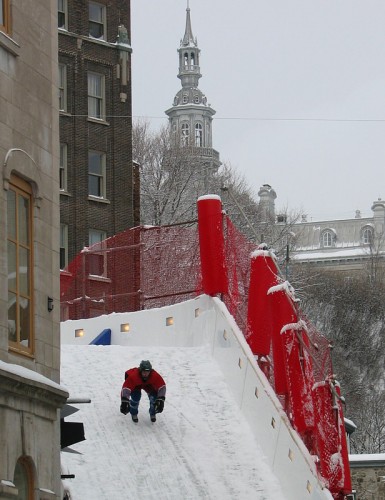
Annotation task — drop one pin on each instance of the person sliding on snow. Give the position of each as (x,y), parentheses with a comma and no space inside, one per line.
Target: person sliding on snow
(146,378)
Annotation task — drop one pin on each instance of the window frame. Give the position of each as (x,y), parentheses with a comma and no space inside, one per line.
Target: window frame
(22,189)
(63,251)
(328,238)
(62,86)
(99,99)
(5,22)
(198,135)
(101,240)
(63,169)
(102,183)
(64,12)
(367,230)
(93,22)
(185,134)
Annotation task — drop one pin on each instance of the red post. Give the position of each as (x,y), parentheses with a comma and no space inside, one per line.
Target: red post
(211,244)
(263,275)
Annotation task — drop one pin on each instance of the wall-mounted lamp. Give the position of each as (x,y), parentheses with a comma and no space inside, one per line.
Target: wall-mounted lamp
(79,332)
(125,327)
(169,321)
(50,304)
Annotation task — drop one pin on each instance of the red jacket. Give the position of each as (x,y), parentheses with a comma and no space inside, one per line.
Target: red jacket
(153,385)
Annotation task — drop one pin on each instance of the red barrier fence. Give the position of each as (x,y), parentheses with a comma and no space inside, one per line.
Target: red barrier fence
(149,267)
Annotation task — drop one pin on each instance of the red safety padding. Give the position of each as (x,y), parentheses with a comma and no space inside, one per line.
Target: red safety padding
(283,313)
(263,275)
(211,244)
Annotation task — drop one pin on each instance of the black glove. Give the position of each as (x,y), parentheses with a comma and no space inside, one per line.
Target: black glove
(125,407)
(159,405)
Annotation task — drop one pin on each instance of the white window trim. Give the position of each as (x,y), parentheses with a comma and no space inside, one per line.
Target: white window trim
(103,194)
(63,87)
(102,97)
(103,23)
(103,248)
(65,12)
(64,243)
(63,166)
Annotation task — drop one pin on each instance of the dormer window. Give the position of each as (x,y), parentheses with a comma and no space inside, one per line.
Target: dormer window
(185,98)
(196,98)
(367,235)
(328,238)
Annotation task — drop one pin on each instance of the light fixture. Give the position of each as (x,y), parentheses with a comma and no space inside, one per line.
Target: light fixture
(169,321)
(79,332)
(197,312)
(125,327)
(50,304)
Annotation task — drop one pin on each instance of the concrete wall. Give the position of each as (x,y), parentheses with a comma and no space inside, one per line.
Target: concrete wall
(29,149)
(205,320)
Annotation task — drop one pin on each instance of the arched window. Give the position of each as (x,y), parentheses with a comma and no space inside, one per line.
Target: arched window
(198,135)
(328,238)
(185,134)
(20,265)
(23,479)
(192,60)
(367,235)
(185,57)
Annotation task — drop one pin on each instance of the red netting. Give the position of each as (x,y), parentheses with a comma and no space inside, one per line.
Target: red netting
(149,267)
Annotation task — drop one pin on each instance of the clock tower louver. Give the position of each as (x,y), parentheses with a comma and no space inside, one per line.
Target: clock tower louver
(191,116)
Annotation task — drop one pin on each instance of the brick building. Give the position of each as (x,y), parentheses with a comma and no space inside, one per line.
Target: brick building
(99,186)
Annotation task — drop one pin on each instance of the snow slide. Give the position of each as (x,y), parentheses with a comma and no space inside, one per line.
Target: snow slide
(201,447)
(223,434)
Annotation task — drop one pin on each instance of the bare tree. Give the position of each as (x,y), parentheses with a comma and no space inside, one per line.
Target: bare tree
(350,313)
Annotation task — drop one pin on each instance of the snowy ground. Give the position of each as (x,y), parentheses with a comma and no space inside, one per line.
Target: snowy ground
(201,447)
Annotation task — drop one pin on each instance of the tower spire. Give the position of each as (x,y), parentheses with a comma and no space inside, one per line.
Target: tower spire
(188,38)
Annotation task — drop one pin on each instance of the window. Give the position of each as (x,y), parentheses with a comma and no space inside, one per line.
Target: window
(185,134)
(62,87)
(5,16)
(198,135)
(97,261)
(96,174)
(96,96)
(97,20)
(62,14)
(185,99)
(328,238)
(19,253)
(63,167)
(63,246)
(367,236)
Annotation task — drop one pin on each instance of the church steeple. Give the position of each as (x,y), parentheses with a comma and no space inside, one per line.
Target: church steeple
(189,71)
(190,116)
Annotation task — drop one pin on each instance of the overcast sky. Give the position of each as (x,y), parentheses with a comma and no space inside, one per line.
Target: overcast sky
(298,87)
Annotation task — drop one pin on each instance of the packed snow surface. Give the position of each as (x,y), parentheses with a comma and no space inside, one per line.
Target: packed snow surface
(201,447)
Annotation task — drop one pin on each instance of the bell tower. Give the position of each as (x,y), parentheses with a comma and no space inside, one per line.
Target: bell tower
(191,116)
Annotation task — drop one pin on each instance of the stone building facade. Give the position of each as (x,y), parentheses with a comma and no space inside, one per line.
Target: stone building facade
(346,245)
(99,185)
(368,476)
(30,394)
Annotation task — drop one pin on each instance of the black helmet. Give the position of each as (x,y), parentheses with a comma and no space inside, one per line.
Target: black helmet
(145,365)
